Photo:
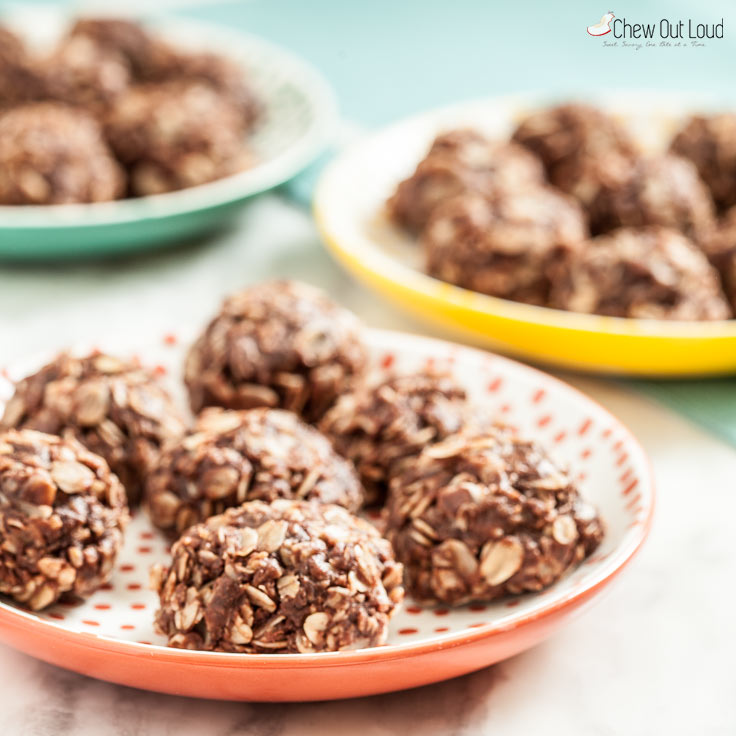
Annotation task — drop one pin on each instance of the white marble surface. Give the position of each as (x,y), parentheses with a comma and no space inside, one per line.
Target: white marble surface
(654,655)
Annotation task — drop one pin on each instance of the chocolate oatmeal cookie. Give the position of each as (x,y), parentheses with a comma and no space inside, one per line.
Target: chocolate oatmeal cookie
(21,80)
(145,55)
(710,143)
(582,148)
(657,190)
(62,516)
(503,246)
(482,515)
(653,273)
(114,408)
(224,75)
(82,72)
(719,245)
(53,154)
(458,162)
(277,344)
(11,45)
(237,456)
(151,59)
(289,576)
(175,135)
(381,426)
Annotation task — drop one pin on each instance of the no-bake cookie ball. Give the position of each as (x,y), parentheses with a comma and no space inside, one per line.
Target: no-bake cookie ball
(581,147)
(114,408)
(657,190)
(224,75)
(20,78)
(503,246)
(719,245)
(237,456)
(151,59)
(277,344)
(484,515)
(11,46)
(381,426)
(284,577)
(462,161)
(654,273)
(62,516)
(710,143)
(52,154)
(144,54)
(175,135)
(82,72)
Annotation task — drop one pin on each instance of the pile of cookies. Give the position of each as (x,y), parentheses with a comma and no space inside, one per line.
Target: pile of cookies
(113,111)
(570,213)
(293,435)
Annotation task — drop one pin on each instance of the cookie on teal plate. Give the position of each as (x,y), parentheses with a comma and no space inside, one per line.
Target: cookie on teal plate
(299,115)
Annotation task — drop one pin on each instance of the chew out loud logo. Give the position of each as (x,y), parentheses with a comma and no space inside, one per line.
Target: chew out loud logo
(664,29)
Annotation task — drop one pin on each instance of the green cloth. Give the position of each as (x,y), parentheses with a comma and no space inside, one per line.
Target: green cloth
(710,403)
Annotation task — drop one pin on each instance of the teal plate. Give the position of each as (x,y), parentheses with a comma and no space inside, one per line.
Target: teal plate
(299,118)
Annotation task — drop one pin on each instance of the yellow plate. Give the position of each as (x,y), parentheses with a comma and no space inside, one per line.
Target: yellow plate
(349,210)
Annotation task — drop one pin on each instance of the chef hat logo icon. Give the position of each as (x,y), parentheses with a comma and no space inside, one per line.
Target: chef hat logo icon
(603,26)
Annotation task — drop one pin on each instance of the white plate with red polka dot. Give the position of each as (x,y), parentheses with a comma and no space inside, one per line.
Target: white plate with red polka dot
(111,636)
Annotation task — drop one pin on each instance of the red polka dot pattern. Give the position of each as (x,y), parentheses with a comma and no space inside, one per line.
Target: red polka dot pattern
(495,385)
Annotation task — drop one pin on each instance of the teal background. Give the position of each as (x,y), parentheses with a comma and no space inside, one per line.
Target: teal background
(388,59)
